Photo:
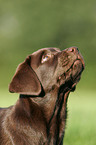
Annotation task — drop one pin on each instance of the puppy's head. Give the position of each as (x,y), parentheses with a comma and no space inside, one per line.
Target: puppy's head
(46,68)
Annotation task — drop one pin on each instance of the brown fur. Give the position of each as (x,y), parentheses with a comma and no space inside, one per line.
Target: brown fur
(43,81)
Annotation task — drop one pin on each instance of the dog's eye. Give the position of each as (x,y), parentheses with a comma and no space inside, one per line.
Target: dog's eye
(45,58)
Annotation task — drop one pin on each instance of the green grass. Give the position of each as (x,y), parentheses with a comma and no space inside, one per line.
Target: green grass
(81,122)
(7,99)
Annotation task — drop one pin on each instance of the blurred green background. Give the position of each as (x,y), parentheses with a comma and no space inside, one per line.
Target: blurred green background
(26,26)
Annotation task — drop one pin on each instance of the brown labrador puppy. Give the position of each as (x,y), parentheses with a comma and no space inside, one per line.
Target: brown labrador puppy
(43,81)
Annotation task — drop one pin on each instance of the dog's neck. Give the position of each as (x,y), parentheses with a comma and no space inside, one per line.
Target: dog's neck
(57,99)
(58,104)
(50,118)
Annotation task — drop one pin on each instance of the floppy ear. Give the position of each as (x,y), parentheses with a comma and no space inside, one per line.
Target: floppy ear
(25,80)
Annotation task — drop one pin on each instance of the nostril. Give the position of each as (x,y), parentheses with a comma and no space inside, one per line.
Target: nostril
(72,50)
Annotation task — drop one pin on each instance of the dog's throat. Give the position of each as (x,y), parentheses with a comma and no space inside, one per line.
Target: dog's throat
(60,111)
(61,99)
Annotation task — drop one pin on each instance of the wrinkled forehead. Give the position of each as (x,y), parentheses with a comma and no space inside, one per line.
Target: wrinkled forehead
(37,56)
(50,49)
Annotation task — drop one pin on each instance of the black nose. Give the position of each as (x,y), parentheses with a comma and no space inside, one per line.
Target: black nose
(73,49)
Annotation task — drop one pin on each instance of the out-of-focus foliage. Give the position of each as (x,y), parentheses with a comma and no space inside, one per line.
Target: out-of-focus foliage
(26,26)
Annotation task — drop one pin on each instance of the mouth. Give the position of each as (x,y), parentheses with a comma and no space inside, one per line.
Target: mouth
(69,79)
